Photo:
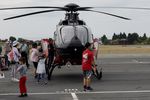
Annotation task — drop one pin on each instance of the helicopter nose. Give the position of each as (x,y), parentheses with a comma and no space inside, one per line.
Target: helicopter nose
(75,42)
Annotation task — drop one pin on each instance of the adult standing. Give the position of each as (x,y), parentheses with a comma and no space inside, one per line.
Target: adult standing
(87,62)
(7,49)
(34,57)
(0,56)
(0,49)
(15,61)
(24,52)
(51,52)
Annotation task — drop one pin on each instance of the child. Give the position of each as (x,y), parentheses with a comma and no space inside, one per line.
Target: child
(41,71)
(22,69)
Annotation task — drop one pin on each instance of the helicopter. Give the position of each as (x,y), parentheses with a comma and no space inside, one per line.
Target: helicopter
(71,33)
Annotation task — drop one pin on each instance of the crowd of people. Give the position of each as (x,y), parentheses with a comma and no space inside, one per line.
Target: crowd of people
(17,56)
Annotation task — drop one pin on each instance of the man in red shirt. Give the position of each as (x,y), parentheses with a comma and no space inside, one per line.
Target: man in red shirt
(87,62)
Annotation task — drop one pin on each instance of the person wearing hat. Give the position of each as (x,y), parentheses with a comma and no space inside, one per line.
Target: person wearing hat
(87,62)
(24,51)
(15,62)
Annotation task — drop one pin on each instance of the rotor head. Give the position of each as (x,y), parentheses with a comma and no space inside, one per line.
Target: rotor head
(71,7)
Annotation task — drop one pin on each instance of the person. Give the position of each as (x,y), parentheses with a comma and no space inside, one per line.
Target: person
(22,69)
(50,54)
(87,64)
(95,48)
(34,57)
(14,56)
(1,68)
(0,49)
(41,71)
(7,49)
(0,57)
(24,52)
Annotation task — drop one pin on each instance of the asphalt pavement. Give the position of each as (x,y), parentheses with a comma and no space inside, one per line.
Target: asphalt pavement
(124,78)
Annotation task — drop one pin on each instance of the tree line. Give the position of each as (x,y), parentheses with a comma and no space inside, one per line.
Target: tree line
(117,39)
(129,39)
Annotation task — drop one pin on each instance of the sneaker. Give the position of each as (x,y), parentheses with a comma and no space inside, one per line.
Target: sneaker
(2,75)
(45,83)
(89,88)
(21,95)
(84,88)
(35,76)
(16,80)
(12,79)
(25,94)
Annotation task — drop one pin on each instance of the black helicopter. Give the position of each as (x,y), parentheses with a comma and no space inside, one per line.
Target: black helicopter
(71,33)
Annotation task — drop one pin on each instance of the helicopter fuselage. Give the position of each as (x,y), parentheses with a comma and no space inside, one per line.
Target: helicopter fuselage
(70,37)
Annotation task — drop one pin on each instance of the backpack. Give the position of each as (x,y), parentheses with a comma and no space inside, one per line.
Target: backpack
(11,57)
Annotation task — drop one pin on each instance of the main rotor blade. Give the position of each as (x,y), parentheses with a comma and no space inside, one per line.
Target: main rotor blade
(130,8)
(83,8)
(33,13)
(35,7)
(78,8)
(108,14)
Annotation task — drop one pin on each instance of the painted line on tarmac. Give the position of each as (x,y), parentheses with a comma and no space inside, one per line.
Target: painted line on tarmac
(74,94)
(126,62)
(48,93)
(115,92)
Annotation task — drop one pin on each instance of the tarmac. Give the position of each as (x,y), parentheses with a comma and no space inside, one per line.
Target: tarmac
(125,77)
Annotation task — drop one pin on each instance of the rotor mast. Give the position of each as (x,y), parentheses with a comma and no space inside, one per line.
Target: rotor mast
(71,14)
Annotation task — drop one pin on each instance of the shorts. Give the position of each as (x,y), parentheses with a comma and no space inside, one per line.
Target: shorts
(87,73)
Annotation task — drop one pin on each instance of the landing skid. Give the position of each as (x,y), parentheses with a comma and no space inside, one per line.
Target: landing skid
(50,71)
(97,74)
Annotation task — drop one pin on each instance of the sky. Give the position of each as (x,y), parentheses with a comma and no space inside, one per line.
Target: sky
(43,25)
